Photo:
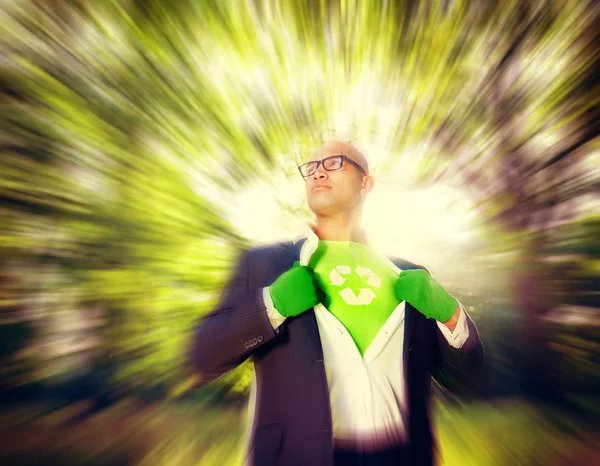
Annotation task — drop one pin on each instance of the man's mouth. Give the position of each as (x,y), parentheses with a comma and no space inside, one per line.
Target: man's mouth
(320,186)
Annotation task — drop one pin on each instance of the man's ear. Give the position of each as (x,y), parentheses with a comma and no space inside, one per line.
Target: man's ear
(367,184)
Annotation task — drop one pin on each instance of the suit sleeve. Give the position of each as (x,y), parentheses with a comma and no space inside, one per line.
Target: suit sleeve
(457,369)
(238,325)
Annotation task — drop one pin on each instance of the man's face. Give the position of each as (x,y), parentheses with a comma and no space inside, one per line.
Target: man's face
(332,192)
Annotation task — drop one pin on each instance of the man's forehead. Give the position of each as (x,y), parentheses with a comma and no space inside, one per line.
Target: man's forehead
(336,148)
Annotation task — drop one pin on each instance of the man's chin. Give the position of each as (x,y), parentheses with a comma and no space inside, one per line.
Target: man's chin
(321,208)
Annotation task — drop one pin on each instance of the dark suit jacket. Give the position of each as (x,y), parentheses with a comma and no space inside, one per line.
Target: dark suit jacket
(292,422)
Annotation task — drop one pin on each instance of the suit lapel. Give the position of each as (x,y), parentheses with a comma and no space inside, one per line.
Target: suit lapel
(409,326)
(308,320)
(312,329)
(409,317)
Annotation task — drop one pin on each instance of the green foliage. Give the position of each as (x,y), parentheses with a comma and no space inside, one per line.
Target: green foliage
(497,435)
(126,127)
(192,434)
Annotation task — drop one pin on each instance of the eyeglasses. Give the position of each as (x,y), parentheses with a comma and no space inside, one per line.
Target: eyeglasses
(335,162)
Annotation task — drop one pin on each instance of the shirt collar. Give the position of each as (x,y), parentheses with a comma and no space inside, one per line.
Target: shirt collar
(307,231)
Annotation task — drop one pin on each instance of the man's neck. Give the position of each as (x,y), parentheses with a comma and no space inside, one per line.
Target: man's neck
(339,229)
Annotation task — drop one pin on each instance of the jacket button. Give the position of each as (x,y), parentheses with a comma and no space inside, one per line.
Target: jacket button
(324,430)
(318,360)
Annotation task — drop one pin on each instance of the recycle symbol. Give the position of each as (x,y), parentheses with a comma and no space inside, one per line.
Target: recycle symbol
(365,295)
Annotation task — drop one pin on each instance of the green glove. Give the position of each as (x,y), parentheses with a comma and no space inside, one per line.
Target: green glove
(294,291)
(421,291)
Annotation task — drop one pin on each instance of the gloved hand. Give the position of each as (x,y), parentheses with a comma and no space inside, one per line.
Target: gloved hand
(425,294)
(294,291)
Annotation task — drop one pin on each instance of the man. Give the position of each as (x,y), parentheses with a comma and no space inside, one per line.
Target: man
(344,341)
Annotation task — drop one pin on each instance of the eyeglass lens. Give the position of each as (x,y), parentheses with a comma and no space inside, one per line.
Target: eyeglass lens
(330,163)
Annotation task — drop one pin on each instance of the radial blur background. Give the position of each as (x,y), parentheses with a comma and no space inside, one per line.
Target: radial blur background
(144,143)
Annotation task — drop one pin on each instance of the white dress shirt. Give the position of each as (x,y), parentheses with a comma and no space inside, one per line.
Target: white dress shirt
(367,393)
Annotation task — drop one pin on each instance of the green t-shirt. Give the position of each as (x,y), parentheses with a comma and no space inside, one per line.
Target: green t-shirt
(359,287)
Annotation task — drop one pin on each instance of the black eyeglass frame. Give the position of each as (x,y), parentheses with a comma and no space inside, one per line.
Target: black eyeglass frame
(320,162)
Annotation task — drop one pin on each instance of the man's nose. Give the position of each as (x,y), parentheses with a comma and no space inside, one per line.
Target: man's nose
(320,174)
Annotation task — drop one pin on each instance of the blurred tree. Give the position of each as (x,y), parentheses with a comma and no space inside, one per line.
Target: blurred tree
(128,126)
